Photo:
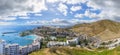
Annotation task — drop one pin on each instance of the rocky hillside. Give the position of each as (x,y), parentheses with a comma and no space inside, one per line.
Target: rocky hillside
(106,29)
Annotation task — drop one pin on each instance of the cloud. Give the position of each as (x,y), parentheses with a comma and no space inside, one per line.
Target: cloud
(109,8)
(67,1)
(37,14)
(54,1)
(87,21)
(58,21)
(20,7)
(9,9)
(79,15)
(87,14)
(24,17)
(38,5)
(75,1)
(62,8)
(11,6)
(6,23)
(62,5)
(7,18)
(75,8)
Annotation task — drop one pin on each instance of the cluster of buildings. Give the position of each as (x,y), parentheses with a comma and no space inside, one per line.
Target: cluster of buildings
(49,31)
(56,43)
(61,43)
(111,44)
(82,40)
(73,41)
(15,49)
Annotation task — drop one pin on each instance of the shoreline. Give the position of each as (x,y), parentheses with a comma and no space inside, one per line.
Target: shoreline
(32,37)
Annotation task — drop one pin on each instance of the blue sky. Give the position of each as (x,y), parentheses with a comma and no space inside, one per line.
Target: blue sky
(57,12)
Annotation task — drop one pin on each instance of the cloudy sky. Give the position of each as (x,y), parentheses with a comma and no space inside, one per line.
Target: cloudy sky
(57,12)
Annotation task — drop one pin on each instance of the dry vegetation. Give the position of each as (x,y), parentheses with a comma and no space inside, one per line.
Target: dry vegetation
(106,29)
(75,51)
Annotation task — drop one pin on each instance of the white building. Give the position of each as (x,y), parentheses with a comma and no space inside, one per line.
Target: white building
(12,49)
(94,41)
(29,48)
(24,50)
(15,49)
(53,38)
(2,47)
(34,46)
(56,43)
(75,41)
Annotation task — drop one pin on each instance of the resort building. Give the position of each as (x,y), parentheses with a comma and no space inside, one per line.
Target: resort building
(16,49)
(95,41)
(56,43)
(53,38)
(2,47)
(24,50)
(111,43)
(29,48)
(35,46)
(12,49)
(75,41)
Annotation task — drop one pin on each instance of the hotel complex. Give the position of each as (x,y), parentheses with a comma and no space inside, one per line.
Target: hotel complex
(15,49)
(2,47)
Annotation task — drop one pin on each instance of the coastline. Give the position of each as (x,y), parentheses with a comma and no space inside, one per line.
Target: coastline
(14,38)
(37,38)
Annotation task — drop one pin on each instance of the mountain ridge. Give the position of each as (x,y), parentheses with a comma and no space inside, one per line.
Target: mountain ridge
(102,28)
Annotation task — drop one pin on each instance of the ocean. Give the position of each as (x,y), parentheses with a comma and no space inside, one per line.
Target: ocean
(16,28)
(12,38)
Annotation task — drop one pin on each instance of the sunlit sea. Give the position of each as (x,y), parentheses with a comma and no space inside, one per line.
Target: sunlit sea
(12,38)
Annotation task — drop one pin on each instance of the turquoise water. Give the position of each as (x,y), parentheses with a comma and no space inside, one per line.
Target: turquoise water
(15,38)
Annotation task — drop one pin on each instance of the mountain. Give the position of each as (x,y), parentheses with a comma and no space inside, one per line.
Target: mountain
(105,29)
